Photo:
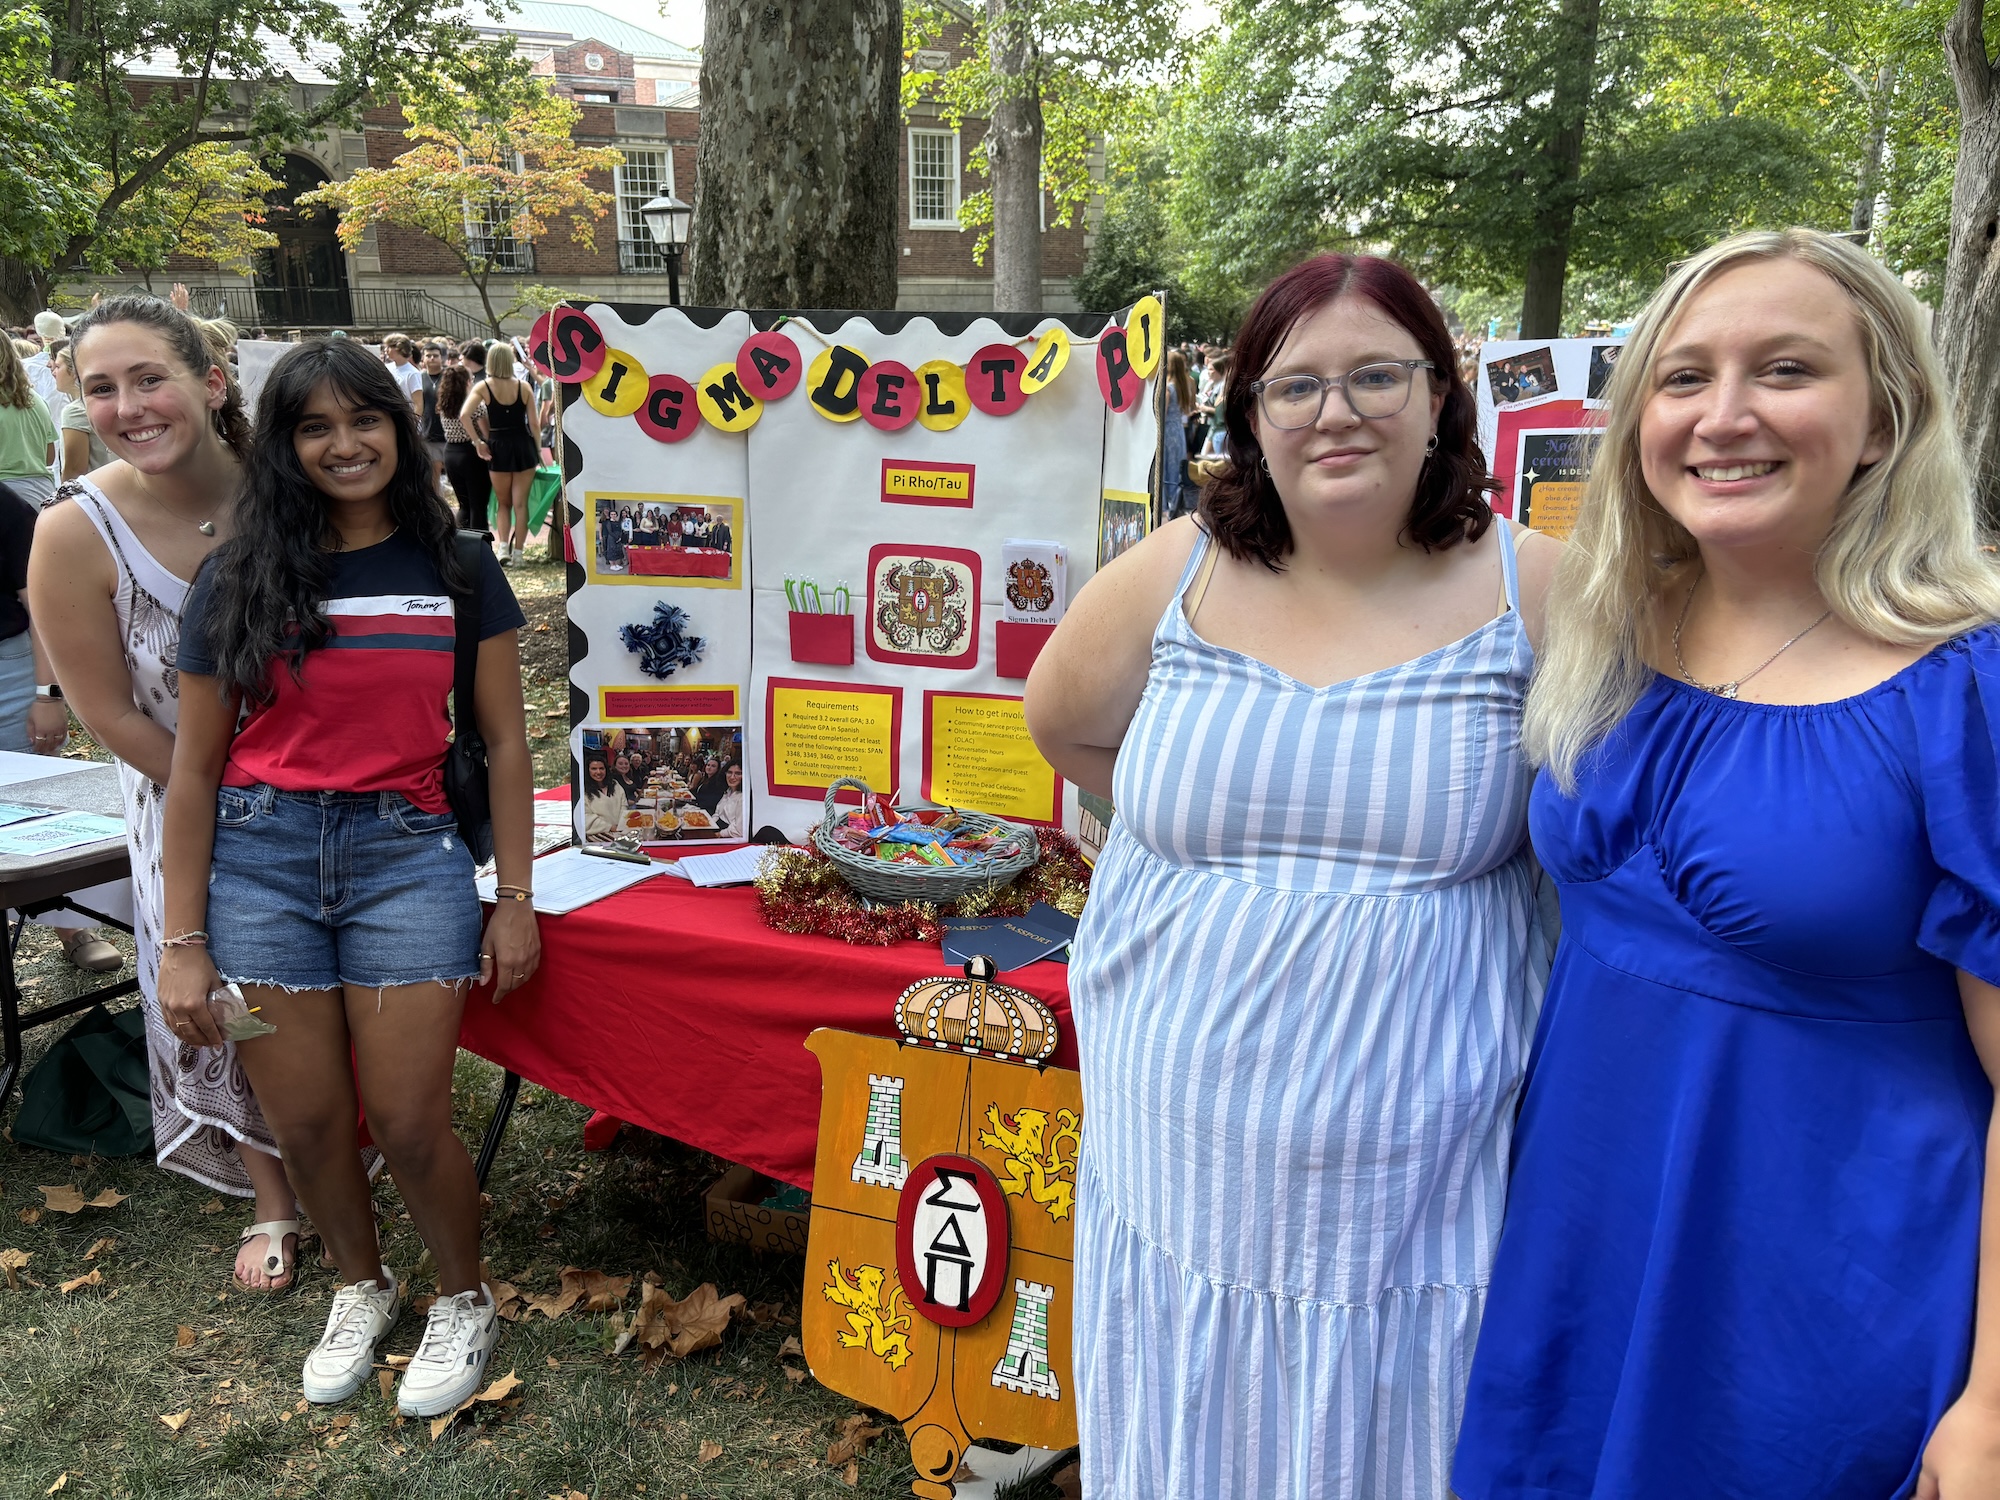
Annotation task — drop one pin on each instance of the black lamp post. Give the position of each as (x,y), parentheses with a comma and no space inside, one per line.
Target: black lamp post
(668,218)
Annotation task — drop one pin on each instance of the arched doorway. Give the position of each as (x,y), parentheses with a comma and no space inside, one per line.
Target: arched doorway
(302,280)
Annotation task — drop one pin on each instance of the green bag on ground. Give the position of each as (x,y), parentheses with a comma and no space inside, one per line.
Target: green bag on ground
(90,1095)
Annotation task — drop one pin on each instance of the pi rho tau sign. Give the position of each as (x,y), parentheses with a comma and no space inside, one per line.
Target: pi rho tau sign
(939,1279)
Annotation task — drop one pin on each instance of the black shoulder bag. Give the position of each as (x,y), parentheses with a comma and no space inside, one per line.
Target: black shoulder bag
(465,773)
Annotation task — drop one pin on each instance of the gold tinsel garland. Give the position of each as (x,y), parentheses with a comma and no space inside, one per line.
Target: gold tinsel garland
(801,892)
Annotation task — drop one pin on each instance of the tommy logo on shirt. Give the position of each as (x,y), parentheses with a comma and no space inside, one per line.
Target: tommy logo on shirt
(413,622)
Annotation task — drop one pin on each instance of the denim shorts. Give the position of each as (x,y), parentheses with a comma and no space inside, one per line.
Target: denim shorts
(314,890)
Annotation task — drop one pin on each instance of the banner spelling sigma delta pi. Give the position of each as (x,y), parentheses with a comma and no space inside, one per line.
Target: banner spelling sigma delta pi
(831,545)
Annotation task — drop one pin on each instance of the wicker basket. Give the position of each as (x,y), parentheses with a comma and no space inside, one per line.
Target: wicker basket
(879,880)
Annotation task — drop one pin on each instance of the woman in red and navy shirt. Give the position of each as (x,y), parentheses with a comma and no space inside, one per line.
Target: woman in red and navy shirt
(311,855)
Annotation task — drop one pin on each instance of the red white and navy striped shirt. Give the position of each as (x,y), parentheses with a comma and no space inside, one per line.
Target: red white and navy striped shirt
(372,711)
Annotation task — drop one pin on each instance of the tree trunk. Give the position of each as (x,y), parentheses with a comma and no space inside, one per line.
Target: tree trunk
(1869,184)
(796,174)
(24,290)
(1573,48)
(1968,325)
(1014,159)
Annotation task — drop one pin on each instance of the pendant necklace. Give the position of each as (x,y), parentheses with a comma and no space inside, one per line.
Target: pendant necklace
(206,528)
(1731,689)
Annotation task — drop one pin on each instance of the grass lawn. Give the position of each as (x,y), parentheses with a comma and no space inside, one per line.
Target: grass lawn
(86,1377)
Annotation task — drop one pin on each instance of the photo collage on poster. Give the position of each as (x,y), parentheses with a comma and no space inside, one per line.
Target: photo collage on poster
(811,550)
(1540,403)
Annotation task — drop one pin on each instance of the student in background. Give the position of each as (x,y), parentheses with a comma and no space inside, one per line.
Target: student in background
(471,485)
(27,433)
(500,412)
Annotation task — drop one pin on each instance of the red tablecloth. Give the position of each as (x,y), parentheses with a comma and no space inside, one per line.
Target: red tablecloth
(679,1010)
(678,562)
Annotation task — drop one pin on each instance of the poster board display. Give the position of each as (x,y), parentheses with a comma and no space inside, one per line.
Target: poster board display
(862,526)
(1539,403)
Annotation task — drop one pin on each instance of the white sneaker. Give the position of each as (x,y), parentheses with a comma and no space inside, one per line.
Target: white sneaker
(363,1313)
(448,1365)
(520,556)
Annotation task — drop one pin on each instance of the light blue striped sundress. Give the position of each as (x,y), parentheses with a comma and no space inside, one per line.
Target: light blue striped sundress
(1303,990)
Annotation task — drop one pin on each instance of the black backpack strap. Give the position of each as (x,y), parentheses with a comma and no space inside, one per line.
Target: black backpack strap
(465,641)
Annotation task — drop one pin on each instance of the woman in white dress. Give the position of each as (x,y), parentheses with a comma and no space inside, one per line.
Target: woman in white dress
(111,566)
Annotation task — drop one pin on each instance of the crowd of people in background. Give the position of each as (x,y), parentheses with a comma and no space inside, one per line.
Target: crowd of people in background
(46,438)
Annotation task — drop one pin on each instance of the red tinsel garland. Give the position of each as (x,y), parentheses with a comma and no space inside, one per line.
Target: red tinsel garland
(802,892)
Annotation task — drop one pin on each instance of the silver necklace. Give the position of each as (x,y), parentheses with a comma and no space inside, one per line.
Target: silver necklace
(206,528)
(1731,689)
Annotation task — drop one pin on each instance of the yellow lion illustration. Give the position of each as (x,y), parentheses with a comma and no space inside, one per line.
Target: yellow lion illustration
(878,1326)
(1037,1165)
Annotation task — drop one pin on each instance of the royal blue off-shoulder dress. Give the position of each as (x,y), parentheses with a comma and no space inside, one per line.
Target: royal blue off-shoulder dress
(1742,1232)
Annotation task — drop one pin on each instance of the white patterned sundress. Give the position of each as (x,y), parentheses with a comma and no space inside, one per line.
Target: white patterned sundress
(202,1104)
(1303,990)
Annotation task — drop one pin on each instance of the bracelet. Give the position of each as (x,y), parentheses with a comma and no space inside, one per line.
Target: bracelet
(519,893)
(186,940)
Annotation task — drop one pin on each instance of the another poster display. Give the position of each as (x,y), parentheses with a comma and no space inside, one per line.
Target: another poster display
(1539,401)
(811,546)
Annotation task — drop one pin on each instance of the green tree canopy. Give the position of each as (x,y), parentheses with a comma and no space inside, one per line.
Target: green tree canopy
(236,62)
(1492,145)
(44,179)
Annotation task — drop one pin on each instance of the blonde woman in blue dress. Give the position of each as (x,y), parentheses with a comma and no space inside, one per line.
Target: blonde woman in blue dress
(1306,979)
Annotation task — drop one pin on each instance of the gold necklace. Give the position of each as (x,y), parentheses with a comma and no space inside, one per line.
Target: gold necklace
(1731,689)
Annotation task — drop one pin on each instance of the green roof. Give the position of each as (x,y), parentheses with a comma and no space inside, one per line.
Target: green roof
(587,22)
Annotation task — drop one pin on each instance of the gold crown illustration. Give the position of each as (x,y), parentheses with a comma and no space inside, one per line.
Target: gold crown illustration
(976,1015)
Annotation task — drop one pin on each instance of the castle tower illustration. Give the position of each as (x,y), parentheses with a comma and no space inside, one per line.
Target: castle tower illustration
(1025,1365)
(881,1160)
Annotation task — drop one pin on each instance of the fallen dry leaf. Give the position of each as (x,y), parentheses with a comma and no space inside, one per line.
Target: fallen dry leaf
(791,1345)
(183,1337)
(568,1495)
(109,1198)
(508,1301)
(851,1475)
(497,1391)
(708,1452)
(31,1216)
(595,1290)
(856,1433)
(664,1326)
(62,1480)
(101,1247)
(177,1420)
(213,1206)
(12,1263)
(554,1363)
(62,1200)
(95,1278)
(387,1380)
(344,1420)
(795,1375)
(395,1361)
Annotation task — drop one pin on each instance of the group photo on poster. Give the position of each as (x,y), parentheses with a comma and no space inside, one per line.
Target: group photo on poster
(661,785)
(642,536)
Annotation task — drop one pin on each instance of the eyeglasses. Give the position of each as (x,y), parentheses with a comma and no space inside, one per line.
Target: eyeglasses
(1372,391)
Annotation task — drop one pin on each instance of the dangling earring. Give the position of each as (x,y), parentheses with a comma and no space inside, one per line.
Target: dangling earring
(1264,464)
(1432,446)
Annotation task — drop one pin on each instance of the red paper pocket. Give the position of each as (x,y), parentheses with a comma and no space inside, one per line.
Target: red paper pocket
(1016,645)
(823,638)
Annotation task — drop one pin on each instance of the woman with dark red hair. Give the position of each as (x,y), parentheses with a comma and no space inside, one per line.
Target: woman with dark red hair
(1307,977)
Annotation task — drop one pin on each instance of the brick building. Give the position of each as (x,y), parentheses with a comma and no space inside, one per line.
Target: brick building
(638,93)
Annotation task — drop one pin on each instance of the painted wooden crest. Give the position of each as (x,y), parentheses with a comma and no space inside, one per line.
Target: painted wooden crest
(939,1285)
